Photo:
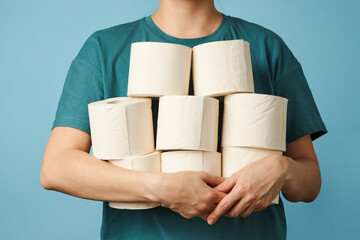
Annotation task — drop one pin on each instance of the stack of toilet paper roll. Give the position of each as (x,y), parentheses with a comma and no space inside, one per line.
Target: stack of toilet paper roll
(122,133)
(187,126)
(187,133)
(254,125)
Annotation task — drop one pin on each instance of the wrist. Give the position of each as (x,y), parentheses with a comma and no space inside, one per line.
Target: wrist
(153,181)
(287,162)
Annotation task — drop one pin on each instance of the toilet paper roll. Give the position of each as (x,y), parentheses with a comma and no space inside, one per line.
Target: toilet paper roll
(121,127)
(222,67)
(235,158)
(158,69)
(254,120)
(148,163)
(176,161)
(187,122)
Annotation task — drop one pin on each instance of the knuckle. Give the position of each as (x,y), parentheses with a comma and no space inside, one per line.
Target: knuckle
(265,204)
(187,216)
(252,197)
(201,207)
(209,196)
(259,203)
(240,190)
(243,215)
(233,214)
(223,207)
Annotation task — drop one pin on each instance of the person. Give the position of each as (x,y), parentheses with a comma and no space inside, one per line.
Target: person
(200,205)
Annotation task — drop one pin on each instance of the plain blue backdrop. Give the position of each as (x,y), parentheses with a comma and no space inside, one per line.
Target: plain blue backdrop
(40,38)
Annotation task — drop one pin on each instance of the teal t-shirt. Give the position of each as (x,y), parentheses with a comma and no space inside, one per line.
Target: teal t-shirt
(100,71)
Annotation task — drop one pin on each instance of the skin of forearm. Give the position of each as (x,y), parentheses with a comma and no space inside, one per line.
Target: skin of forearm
(303,181)
(80,174)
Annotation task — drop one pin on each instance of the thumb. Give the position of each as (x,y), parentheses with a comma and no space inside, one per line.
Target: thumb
(211,180)
(226,185)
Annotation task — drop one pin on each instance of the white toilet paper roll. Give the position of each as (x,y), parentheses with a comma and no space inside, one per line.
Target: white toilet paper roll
(158,69)
(254,120)
(176,161)
(222,67)
(235,158)
(148,163)
(121,127)
(187,122)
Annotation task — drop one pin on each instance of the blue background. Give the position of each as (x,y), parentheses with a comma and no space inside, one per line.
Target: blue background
(40,38)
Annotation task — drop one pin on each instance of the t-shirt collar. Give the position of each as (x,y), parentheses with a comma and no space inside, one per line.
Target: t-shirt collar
(162,36)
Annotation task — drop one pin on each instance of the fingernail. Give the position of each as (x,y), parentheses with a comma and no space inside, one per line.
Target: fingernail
(210,221)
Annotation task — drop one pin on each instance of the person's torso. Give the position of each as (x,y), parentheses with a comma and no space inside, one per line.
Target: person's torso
(163,223)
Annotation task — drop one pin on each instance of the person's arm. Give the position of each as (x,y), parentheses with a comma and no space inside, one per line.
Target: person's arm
(304,177)
(254,187)
(68,167)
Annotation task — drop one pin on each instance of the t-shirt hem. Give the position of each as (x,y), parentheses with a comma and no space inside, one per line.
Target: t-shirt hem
(315,131)
(71,122)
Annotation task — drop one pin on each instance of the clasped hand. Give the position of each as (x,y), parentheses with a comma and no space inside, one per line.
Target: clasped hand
(251,189)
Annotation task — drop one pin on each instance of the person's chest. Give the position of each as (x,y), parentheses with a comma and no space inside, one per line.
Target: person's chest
(116,66)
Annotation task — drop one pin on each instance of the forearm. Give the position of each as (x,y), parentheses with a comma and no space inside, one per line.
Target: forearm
(79,174)
(303,181)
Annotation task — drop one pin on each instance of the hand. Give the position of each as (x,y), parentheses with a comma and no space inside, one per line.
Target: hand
(190,193)
(252,188)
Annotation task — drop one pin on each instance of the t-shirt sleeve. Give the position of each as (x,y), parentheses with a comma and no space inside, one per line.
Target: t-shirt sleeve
(83,85)
(303,116)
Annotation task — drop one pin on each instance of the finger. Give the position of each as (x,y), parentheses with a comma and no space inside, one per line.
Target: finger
(219,196)
(224,205)
(261,205)
(226,185)
(193,214)
(249,210)
(212,180)
(185,215)
(245,205)
(204,216)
